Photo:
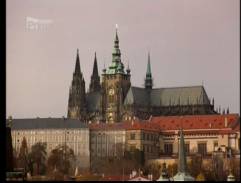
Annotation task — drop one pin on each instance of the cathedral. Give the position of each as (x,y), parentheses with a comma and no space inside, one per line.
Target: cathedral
(114,99)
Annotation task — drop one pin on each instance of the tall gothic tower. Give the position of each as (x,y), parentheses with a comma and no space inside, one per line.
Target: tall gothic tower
(95,78)
(115,85)
(77,100)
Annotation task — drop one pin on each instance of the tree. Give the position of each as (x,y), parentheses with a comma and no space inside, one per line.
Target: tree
(200,177)
(15,158)
(218,166)
(172,169)
(154,169)
(195,165)
(38,156)
(235,168)
(61,158)
(23,155)
(9,150)
(136,156)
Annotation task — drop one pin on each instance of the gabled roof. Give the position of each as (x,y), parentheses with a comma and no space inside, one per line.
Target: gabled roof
(167,96)
(137,96)
(179,96)
(93,101)
(46,123)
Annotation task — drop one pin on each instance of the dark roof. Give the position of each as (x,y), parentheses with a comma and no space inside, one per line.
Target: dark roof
(137,96)
(46,123)
(93,101)
(183,95)
(167,96)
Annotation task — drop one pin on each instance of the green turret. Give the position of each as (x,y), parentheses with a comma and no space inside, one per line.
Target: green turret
(116,65)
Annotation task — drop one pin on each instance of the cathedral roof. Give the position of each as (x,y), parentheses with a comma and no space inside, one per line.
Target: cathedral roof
(179,96)
(137,96)
(46,123)
(167,96)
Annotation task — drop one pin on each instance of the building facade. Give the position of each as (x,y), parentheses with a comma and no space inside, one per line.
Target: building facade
(114,99)
(203,134)
(156,138)
(53,131)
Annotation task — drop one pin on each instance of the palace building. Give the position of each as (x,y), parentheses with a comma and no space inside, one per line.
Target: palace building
(114,98)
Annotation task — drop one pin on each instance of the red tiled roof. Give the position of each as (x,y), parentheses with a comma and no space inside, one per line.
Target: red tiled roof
(127,125)
(195,121)
(212,124)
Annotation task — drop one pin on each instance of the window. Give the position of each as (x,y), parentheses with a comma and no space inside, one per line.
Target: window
(215,145)
(143,136)
(202,148)
(168,149)
(187,149)
(132,136)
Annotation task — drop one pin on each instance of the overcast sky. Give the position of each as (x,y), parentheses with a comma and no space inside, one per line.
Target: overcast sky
(190,43)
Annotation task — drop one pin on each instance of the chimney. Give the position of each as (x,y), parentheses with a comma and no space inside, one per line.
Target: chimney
(226,122)
(150,118)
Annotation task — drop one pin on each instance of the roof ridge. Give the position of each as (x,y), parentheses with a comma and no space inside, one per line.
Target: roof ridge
(193,86)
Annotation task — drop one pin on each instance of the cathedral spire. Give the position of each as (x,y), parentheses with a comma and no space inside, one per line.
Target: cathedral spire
(95,67)
(116,34)
(148,80)
(77,64)
(77,101)
(116,54)
(95,78)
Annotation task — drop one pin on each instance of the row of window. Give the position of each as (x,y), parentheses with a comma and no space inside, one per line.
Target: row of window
(49,132)
(148,149)
(201,148)
(144,136)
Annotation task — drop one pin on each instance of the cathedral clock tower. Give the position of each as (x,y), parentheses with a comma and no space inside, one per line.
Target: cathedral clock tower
(115,85)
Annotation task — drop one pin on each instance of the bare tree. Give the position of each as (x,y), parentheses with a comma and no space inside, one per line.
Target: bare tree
(61,158)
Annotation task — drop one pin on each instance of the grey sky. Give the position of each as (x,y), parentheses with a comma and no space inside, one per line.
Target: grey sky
(189,42)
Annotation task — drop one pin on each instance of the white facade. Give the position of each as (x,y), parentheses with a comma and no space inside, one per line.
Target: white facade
(76,138)
(107,143)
